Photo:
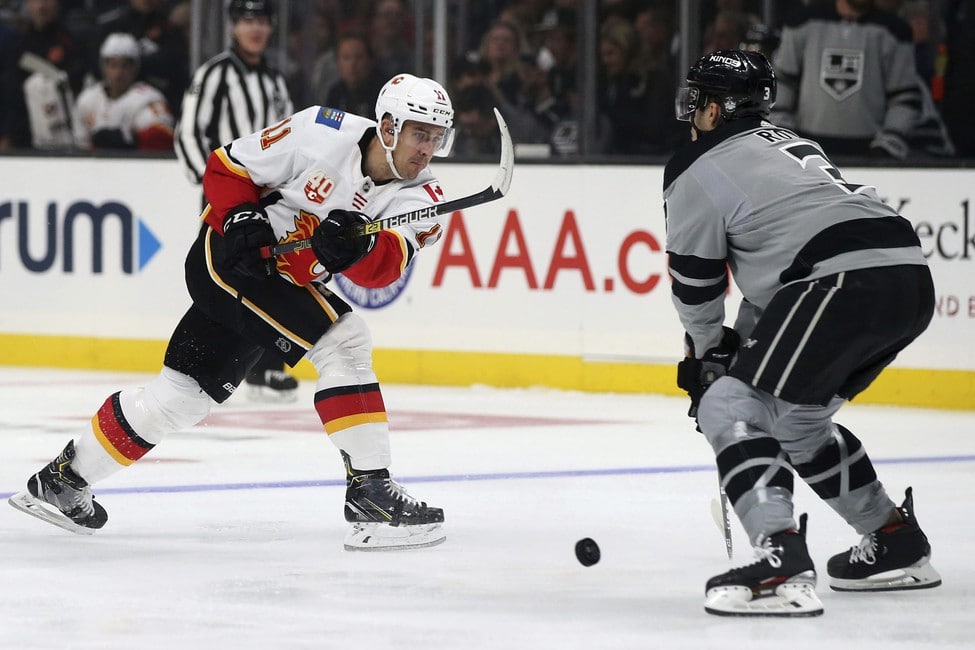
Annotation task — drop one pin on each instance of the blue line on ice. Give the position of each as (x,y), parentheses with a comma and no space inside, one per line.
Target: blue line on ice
(497,476)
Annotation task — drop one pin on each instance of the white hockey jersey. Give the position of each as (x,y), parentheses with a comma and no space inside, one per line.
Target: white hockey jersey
(308,165)
(141,114)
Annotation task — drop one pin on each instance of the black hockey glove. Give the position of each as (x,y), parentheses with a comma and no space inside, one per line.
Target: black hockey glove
(696,375)
(334,246)
(246,229)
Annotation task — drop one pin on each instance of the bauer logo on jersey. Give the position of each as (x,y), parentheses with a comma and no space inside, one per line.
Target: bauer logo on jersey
(842,72)
(330,117)
(318,187)
(434,190)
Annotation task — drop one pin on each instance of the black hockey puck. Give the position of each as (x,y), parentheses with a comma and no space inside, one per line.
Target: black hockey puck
(587,551)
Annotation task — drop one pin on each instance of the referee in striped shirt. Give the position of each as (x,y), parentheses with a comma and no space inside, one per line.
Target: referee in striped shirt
(231,95)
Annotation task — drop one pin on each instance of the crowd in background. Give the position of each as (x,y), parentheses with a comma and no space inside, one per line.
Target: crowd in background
(519,55)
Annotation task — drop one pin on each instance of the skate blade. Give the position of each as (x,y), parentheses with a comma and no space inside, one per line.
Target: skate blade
(27,502)
(271,396)
(383,537)
(791,599)
(920,575)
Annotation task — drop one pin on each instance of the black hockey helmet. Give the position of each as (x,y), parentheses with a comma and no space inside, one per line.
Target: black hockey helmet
(238,9)
(741,82)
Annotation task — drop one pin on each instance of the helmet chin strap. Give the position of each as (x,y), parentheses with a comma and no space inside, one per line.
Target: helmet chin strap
(392,166)
(389,151)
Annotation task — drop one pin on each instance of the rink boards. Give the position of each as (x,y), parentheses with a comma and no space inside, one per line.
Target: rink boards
(562,283)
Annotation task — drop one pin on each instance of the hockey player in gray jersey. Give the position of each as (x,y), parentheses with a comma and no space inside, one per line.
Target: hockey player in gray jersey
(848,79)
(834,286)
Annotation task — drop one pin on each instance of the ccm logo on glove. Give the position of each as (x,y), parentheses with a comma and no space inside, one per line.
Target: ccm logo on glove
(246,229)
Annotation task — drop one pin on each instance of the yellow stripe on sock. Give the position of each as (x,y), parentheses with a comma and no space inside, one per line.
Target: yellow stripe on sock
(109,448)
(340,424)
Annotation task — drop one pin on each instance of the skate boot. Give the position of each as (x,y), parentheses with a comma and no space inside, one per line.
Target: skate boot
(271,386)
(781,583)
(892,558)
(59,496)
(383,516)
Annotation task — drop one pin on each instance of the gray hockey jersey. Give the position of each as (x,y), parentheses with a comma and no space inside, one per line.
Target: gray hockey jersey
(769,205)
(846,80)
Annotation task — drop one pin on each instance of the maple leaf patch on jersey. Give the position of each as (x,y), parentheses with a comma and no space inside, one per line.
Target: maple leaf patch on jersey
(330,117)
(434,190)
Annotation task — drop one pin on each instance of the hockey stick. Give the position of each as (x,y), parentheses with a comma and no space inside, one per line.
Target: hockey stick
(722,517)
(497,189)
(30,62)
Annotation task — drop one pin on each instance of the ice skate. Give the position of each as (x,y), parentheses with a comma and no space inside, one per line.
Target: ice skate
(59,496)
(271,386)
(892,558)
(384,517)
(781,583)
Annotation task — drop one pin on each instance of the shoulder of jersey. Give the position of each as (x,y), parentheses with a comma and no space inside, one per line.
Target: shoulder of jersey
(144,88)
(339,120)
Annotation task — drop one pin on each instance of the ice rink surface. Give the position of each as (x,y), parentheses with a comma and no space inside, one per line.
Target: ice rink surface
(229,535)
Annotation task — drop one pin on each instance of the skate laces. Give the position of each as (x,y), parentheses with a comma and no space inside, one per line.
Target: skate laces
(865,551)
(768,553)
(399,493)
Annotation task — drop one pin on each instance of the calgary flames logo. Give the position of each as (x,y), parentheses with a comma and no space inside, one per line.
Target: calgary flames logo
(301,266)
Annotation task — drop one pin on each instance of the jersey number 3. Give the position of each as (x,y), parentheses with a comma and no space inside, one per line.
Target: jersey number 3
(805,153)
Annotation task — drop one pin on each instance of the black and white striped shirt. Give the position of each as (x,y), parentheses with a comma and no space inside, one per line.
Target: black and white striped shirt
(226,100)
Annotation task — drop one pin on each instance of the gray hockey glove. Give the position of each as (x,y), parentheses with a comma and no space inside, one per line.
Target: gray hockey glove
(334,246)
(246,229)
(888,144)
(696,375)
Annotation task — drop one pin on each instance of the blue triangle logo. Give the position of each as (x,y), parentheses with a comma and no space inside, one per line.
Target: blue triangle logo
(149,245)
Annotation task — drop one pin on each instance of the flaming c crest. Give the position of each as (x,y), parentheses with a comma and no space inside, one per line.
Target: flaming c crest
(300,265)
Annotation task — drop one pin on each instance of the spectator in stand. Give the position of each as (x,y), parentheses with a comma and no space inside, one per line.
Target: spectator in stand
(164,49)
(324,71)
(468,70)
(477,127)
(557,102)
(392,38)
(501,49)
(762,38)
(655,30)
(847,78)
(43,70)
(359,83)
(726,31)
(959,84)
(121,112)
(623,101)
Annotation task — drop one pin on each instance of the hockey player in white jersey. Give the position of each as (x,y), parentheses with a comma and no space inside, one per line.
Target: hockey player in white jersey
(314,174)
(120,112)
(835,285)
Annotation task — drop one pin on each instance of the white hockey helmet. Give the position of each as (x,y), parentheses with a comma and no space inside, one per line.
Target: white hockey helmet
(405,97)
(121,45)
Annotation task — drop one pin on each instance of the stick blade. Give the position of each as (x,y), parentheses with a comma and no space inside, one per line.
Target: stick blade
(502,180)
